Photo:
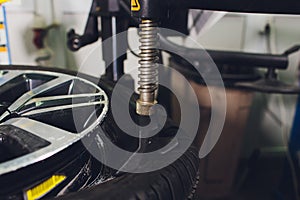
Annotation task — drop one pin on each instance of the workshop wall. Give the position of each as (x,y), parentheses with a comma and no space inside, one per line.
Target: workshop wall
(271,116)
(21,16)
(233,32)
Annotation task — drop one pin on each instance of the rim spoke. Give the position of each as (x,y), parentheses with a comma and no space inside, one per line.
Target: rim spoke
(38,90)
(45,131)
(9,76)
(58,138)
(63,97)
(57,108)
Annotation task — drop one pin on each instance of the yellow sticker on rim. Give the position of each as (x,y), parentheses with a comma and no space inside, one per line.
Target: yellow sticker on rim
(45,187)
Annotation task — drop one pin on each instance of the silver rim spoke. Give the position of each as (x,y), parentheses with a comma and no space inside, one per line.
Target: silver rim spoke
(59,139)
(61,100)
(56,108)
(62,97)
(36,91)
(9,76)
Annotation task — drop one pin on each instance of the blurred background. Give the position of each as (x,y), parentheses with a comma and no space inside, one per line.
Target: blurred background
(269,117)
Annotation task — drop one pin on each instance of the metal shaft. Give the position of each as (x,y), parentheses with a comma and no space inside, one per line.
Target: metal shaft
(148,69)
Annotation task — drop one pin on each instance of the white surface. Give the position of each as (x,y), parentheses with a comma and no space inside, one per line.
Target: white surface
(226,34)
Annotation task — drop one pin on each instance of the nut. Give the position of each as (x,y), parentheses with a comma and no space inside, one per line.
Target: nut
(144,108)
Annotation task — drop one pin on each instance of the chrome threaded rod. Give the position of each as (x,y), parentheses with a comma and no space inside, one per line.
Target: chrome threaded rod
(148,69)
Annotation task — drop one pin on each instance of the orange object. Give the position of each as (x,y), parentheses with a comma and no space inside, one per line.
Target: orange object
(3,49)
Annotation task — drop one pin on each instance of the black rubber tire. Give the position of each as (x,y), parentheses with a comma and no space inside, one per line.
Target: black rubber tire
(177,181)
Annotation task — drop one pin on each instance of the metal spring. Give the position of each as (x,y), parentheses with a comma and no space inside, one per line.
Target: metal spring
(148,69)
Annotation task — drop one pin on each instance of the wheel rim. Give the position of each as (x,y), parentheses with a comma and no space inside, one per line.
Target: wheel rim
(30,97)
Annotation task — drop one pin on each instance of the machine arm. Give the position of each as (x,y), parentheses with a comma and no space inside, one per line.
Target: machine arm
(248,6)
(90,35)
